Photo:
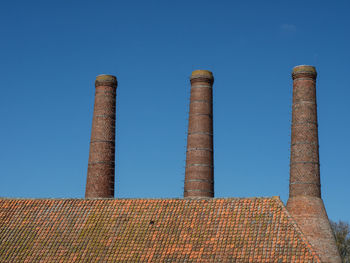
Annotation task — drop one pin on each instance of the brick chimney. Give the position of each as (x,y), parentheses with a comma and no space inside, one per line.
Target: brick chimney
(305,203)
(199,175)
(100,176)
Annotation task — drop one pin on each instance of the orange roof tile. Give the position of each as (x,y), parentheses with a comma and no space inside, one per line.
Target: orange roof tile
(150,230)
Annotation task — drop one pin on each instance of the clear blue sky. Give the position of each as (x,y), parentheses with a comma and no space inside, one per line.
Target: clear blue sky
(51,52)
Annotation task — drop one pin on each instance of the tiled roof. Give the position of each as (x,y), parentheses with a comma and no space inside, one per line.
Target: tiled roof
(150,230)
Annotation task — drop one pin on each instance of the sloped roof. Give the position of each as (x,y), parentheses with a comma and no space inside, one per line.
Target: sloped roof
(150,230)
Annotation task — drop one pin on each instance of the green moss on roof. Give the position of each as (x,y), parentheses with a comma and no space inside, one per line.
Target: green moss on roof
(150,230)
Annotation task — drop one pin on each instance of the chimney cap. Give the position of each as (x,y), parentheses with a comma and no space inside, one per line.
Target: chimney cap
(304,69)
(202,74)
(105,79)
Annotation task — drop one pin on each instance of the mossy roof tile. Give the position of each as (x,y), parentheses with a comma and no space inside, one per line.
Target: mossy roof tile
(150,230)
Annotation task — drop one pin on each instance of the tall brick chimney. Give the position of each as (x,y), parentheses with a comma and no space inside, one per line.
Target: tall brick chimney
(100,176)
(199,175)
(305,203)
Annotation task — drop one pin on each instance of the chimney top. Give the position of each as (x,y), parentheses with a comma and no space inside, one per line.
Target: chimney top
(106,77)
(304,69)
(106,80)
(202,74)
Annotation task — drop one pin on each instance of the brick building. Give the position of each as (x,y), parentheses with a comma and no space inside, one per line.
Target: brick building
(196,228)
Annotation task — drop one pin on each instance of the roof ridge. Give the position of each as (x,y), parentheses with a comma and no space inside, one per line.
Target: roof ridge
(301,234)
(156,198)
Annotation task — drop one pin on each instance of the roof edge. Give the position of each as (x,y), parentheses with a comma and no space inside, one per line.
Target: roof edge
(158,198)
(302,236)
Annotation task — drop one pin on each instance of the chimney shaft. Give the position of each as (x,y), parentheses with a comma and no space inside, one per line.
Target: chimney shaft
(305,203)
(100,176)
(199,175)
(304,158)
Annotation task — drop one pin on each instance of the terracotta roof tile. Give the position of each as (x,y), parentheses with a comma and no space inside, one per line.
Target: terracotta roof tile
(150,230)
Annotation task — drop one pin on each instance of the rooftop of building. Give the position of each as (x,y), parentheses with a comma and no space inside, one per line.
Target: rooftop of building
(150,230)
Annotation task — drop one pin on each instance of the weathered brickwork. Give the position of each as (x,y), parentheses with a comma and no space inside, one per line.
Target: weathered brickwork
(305,203)
(304,159)
(199,175)
(101,167)
(311,216)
